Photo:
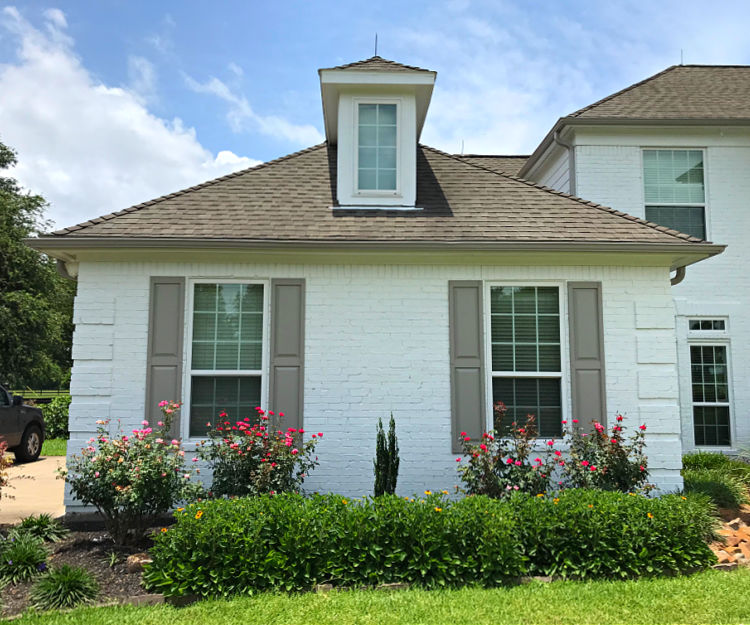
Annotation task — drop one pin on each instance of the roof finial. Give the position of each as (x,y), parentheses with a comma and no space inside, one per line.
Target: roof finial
(376,44)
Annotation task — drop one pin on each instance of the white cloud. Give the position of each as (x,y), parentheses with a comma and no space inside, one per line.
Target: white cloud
(90,148)
(242,117)
(142,75)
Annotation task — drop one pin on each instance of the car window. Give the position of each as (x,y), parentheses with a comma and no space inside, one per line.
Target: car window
(4,397)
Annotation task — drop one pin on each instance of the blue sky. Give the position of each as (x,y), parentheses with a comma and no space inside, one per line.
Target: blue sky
(114,102)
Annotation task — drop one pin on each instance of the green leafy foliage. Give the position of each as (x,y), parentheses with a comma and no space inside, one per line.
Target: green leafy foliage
(36,303)
(257,458)
(42,526)
(64,587)
(287,542)
(22,557)
(386,459)
(722,487)
(56,417)
(132,479)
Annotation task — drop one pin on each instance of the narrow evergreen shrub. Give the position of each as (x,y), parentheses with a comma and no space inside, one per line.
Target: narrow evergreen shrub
(42,526)
(64,587)
(22,557)
(386,459)
(725,489)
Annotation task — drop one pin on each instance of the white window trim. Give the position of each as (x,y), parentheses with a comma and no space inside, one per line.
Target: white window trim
(563,375)
(706,194)
(708,334)
(713,342)
(188,351)
(356,191)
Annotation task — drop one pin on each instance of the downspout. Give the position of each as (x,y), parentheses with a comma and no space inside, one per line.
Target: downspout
(679,276)
(571,161)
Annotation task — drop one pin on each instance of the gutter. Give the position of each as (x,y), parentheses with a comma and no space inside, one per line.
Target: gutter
(564,122)
(571,161)
(678,277)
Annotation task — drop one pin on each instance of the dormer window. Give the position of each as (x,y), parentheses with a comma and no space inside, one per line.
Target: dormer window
(377,163)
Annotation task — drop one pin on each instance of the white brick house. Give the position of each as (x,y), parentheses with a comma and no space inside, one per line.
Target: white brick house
(370,275)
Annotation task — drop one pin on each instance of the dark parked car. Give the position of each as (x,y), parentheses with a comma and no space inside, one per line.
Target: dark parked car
(21,426)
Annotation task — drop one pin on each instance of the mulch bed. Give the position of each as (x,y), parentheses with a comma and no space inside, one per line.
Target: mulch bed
(91,550)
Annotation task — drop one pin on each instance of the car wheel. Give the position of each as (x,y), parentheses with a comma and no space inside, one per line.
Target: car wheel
(31,444)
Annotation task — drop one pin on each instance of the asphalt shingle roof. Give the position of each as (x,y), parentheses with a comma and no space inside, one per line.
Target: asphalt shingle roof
(507,164)
(680,92)
(290,199)
(379,64)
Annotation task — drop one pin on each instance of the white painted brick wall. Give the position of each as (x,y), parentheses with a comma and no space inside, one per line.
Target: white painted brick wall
(609,171)
(376,342)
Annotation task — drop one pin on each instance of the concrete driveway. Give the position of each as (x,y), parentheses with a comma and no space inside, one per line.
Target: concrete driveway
(35,488)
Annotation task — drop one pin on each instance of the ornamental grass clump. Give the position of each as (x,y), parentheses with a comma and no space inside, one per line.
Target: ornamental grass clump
(133,479)
(22,557)
(508,459)
(255,458)
(64,587)
(42,526)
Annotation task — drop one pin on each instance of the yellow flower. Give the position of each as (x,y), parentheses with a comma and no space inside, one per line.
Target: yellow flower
(163,530)
(683,498)
(650,516)
(121,459)
(555,501)
(438,509)
(631,494)
(180,509)
(344,501)
(428,492)
(199,514)
(540,495)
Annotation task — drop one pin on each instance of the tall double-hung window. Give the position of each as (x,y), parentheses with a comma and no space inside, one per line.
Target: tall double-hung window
(526,354)
(377,128)
(674,190)
(710,387)
(226,361)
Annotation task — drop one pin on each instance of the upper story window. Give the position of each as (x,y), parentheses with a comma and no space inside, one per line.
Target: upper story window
(674,190)
(377,147)
(707,325)
(226,362)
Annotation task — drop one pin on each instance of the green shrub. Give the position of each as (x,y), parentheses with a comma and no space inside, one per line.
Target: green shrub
(287,542)
(242,546)
(64,587)
(22,557)
(132,480)
(733,466)
(257,458)
(42,526)
(386,459)
(720,485)
(589,534)
(56,417)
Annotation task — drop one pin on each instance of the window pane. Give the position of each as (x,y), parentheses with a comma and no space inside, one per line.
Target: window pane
(367,179)
(540,397)
(673,176)
(368,158)
(368,114)
(711,425)
(708,371)
(387,136)
(235,318)
(387,114)
(687,219)
(387,179)
(377,151)
(368,136)
(237,396)
(387,158)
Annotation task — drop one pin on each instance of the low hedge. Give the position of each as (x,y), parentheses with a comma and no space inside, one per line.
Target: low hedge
(287,542)
(723,487)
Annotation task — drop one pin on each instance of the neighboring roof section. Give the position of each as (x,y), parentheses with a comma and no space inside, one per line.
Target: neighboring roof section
(507,164)
(290,199)
(680,92)
(377,64)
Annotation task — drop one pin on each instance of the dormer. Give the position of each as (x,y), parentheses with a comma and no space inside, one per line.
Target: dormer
(374,111)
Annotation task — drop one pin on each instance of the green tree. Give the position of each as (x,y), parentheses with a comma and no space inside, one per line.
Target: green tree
(386,459)
(36,303)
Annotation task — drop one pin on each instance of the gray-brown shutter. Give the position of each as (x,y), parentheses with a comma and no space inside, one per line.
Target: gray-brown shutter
(165,331)
(587,352)
(466,360)
(287,350)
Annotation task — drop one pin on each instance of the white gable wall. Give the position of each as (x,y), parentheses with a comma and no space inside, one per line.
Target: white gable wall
(376,342)
(609,171)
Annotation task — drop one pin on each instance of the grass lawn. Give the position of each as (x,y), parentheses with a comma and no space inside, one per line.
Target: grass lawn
(54,447)
(709,597)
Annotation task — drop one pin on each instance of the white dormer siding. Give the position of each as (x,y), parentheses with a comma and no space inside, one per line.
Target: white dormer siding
(374,114)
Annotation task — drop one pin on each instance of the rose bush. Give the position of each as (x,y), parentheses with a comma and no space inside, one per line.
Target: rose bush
(132,479)
(257,458)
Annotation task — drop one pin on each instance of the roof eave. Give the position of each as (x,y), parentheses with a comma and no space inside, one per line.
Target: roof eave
(565,122)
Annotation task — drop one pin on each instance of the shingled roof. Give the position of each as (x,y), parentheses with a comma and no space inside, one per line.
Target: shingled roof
(508,164)
(379,64)
(680,92)
(290,200)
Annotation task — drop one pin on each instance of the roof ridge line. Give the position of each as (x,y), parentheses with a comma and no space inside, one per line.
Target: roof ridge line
(136,207)
(675,233)
(492,155)
(621,91)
